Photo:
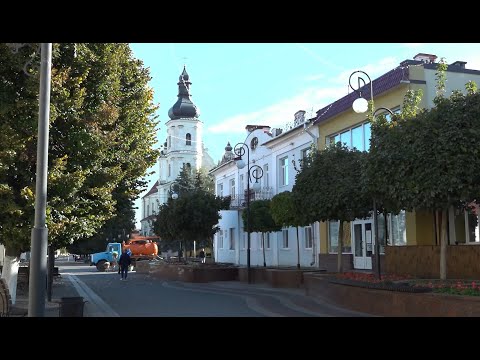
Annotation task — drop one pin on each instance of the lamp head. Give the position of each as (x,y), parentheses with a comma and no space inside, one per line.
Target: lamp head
(360,105)
(256,186)
(240,163)
(174,196)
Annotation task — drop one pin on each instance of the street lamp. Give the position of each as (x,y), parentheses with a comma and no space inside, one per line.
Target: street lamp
(39,239)
(360,105)
(255,172)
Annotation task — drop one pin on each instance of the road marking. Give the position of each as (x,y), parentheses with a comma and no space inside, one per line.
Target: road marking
(252,304)
(96,307)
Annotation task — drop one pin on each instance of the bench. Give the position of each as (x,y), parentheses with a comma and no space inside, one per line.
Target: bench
(7,309)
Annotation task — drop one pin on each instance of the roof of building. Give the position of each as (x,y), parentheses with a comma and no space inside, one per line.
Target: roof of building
(184,107)
(380,85)
(153,189)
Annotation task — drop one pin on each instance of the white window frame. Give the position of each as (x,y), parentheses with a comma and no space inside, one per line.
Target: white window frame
(267,241)
(220,189)
(231,236)
(283,171)
(220,239)
(266,182)
(232,188)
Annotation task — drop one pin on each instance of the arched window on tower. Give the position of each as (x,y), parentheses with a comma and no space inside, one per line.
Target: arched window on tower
(188,139)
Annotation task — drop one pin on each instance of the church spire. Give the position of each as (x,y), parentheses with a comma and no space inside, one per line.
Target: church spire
(184,107)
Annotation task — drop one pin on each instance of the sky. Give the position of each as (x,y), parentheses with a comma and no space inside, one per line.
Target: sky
(235,84)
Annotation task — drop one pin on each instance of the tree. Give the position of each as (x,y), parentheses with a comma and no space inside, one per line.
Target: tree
(286,214)
(328,188)
(261,220)
(102,132)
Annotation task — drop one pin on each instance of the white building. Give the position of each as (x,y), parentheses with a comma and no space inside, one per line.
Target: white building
(277,152)
(183,146)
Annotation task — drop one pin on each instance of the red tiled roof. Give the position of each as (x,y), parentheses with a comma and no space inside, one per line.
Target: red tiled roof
(380,85)
(153,189)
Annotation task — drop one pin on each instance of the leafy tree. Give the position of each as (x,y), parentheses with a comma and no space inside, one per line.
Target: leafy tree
(286,214)
(261,220)
(102,132)
(328,188)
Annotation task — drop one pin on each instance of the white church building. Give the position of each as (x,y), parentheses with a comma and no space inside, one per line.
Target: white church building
(183,146)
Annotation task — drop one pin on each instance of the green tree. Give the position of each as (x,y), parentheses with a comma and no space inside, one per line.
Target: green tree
(102,132)
(261,220)
(286,214)
(328,188)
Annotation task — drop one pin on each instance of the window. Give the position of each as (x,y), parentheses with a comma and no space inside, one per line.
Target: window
(245,240)
(284,171)
(232,238)
(259,237)
(397,229)
(188,139)
(265,176)
(169,170)
(240,185)
(303,155)
(232,188)
(285,238)
(267,240)
(219,189)
(333,236)
(169,141)
(148,209)
(357,137)
(220,239)
(308,237)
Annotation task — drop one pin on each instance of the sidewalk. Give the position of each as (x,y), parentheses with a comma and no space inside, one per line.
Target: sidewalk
(62,287)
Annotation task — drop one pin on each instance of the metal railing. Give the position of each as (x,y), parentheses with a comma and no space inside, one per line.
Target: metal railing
(239,201)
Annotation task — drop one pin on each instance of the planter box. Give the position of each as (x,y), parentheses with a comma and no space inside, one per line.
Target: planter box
(193,273)
(390,303)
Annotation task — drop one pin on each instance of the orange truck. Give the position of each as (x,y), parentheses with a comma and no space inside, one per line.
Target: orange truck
(141,248)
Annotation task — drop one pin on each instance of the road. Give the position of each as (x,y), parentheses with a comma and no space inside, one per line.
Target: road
(145,296)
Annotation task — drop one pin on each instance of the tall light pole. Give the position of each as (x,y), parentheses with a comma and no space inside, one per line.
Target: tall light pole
(257,174)
(360,105)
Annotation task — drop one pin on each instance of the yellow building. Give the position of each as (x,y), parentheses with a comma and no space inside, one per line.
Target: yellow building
(338,122)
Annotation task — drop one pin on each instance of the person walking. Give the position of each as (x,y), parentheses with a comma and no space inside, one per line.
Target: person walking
(124,262)
(202,255)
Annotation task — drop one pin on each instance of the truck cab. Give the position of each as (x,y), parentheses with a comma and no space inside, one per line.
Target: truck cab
(100,259)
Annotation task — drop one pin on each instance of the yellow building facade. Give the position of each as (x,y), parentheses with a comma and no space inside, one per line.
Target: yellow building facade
(338,122)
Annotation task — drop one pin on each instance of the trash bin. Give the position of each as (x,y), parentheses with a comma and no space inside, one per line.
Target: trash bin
(71,306)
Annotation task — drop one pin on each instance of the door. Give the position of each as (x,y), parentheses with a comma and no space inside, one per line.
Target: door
(362,238)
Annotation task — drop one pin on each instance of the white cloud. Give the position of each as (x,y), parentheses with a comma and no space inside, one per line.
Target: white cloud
(373,70)
(277,115)
(413,45)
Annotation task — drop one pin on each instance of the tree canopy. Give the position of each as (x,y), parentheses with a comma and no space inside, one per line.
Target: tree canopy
(102,132)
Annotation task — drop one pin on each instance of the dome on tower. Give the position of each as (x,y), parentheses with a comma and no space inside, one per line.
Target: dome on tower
(184,107)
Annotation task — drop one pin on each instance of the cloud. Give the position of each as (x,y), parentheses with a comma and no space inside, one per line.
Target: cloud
(318,57)
(278,114)
(413,45)
(373,70)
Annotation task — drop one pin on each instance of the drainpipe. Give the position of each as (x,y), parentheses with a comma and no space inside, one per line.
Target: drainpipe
(314,137)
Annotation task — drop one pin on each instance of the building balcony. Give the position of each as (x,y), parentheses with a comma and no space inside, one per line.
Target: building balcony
(239,201)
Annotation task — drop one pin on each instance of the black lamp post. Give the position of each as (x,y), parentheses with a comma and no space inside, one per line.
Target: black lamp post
(360,105)
(255,172)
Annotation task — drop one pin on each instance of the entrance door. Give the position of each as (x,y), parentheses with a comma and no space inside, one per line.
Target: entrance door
(362,237)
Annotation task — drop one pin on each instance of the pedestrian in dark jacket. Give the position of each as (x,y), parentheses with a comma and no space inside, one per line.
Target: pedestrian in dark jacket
(124,262)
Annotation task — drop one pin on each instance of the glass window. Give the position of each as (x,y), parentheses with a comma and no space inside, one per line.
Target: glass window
(397,229)
(357,138)
(265,176)
(232,188)
(267,240)
(240,185)
(345,138)
(188,139)
(219,189)
(220,239)
(285,238)
(284,171)
(232,238)
(333,236)
(308,237)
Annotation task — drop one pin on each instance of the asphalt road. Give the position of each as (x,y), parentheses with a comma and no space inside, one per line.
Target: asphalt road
(145,296)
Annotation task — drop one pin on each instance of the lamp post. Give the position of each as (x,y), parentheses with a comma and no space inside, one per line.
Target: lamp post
(360,105)
(256,172)
(39,238)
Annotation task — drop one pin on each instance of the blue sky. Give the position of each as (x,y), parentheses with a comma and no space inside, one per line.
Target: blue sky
(235,84)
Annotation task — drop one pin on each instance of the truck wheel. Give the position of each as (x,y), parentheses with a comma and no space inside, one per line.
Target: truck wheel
(101,266)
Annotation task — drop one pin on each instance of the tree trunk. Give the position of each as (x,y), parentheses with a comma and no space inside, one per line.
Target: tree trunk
(263,246)
(443,247)
(340,247)
(51,264)
(298,250)
(10,274)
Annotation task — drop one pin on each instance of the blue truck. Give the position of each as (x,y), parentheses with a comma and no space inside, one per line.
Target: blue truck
(100,259)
